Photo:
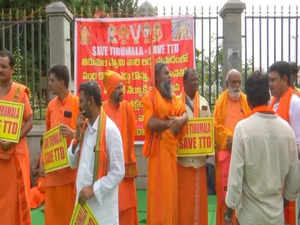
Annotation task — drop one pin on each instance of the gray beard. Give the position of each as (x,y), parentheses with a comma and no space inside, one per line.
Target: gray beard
(166,89)
(234,94)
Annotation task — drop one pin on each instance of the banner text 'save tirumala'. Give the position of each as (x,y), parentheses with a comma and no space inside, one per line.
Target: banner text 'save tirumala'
(11,117)
(132,47)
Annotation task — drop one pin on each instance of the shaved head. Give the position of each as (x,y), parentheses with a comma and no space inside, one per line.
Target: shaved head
(232,72)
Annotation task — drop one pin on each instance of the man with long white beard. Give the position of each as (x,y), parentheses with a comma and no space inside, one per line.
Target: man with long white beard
(164,118)
(230,108)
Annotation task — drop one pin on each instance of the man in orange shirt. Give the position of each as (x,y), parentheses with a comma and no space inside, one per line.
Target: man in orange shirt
(286,104)
(230,108)
(59,185)
(192,185)
(14,158)
(121,112)
(294,77)
(164,118)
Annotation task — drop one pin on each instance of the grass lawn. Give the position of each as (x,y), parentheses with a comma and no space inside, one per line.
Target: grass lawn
(38,214)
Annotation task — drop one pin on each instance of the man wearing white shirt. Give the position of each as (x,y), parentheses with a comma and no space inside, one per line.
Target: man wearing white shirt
(97,184)
(264,166)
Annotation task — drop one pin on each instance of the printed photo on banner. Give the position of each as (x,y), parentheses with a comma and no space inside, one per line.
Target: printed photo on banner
(54,150)
(199,138)
(83,215)
(131,47)
(11,117)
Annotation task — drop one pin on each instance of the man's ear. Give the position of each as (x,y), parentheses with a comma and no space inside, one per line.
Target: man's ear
(91,101)
(285,78)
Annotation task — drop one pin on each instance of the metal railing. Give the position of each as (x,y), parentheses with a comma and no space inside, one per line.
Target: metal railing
(269,36)
(24,33)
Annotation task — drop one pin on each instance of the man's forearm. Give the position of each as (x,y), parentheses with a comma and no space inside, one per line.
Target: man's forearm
(27,127)
(158,125)
(183,119)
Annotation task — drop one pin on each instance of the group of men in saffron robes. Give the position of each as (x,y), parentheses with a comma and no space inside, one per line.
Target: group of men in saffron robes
(100,138)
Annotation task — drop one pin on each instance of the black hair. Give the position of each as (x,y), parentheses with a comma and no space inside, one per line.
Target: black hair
(257,89)
(6,53)
(60,72)
(282,68)
(91,89)
(187,72)
(158,68)
(294,67)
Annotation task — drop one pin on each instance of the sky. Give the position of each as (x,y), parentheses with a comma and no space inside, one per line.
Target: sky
(220,3)
(260,59)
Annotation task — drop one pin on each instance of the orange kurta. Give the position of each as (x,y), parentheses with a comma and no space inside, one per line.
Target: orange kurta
(60,185)
(290,212)
(192,183)
(161,150)
(15,172)
(124,118)
(226,115)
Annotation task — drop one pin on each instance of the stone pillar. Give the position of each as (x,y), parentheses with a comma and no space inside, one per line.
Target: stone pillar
(60,19)
(232,34)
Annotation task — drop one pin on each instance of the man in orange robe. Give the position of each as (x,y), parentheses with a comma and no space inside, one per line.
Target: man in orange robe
(121,112)
(286,104)
(14,158)
(60,185)
(230,108)
(294,77)
(164,118)
(192,184)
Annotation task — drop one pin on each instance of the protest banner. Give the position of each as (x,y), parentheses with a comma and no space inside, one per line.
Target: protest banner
(131,47)
(54,150)
(199,139)
(83,215)
(11,117)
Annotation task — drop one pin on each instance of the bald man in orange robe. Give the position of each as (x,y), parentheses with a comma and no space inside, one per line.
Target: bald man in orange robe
(230,108)
(14,158)
(63,110)
(121,112)
(164,118)
(192,184)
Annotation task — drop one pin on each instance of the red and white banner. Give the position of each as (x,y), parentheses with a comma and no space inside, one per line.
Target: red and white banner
(131,47)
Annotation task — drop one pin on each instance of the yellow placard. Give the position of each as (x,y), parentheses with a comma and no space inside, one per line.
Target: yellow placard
(11,117)
(55,155)
(83,215)
(199,139)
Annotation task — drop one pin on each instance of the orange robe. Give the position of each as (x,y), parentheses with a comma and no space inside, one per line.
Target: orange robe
(226,117)
(192,183)
(15,172)
(60,185)
(290,212)
(124,118)
(161,150)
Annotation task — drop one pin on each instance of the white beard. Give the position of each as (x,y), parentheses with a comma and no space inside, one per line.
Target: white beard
(234,94)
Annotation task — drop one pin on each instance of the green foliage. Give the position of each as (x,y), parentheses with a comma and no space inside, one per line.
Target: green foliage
(19,74)
(121,7)
(210,74)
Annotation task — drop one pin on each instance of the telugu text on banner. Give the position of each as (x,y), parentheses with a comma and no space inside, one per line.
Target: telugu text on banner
(131,47)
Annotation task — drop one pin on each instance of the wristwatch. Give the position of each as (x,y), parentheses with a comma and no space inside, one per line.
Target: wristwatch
(227,217)
(228,214)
